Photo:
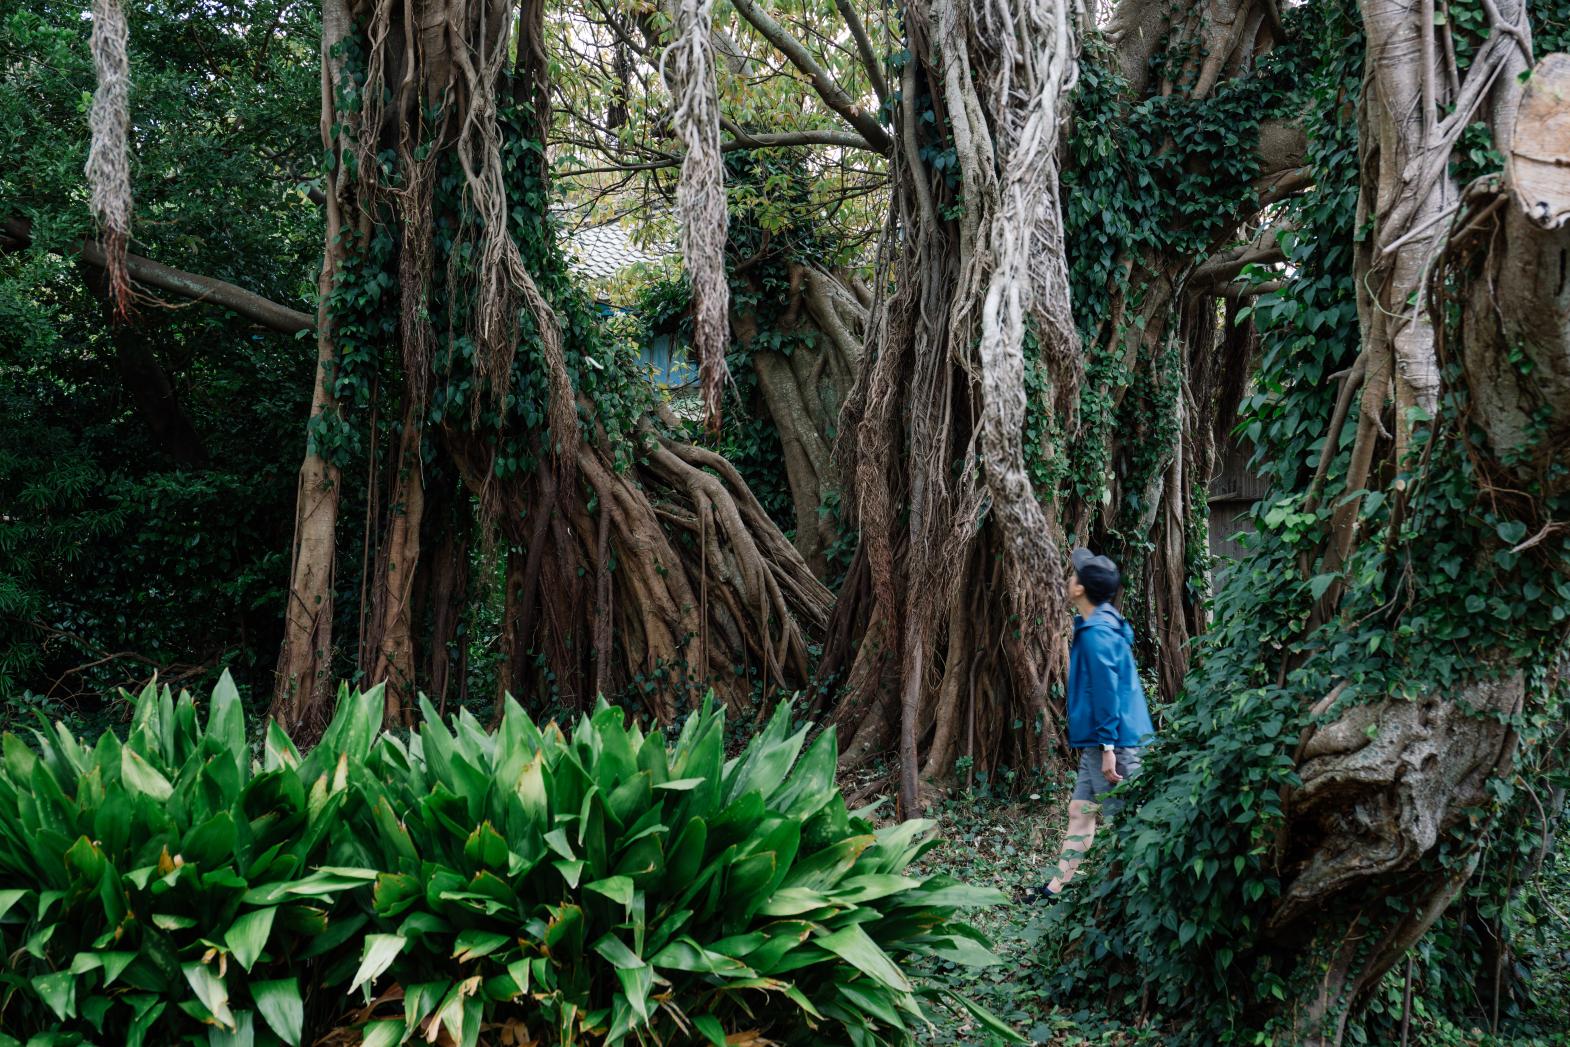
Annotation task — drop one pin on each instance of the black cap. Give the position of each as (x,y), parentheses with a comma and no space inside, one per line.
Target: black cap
(1095,572)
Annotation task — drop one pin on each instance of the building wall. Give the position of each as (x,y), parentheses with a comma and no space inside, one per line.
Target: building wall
(1233,492)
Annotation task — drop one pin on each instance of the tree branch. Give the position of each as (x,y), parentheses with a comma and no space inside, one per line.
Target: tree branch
(744,140)
(827,87)
(1220,269)
(18,234)
(1276,187)
(869,57)
(781,139)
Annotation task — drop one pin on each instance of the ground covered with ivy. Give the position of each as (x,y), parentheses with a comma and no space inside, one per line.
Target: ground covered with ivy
(1008,843)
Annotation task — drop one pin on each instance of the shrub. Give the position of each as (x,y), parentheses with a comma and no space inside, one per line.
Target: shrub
(538,888)
(168,886)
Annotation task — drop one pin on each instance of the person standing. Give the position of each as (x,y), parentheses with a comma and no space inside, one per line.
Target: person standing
(1108,720)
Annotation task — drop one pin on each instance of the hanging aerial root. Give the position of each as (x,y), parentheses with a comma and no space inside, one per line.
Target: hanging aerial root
(688,69)
(108,158)
(1029,282)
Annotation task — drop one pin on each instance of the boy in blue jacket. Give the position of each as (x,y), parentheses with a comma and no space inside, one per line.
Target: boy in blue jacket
(1108,721)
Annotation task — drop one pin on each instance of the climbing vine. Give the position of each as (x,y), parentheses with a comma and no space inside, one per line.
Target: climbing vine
(1444,593)
(1153,183)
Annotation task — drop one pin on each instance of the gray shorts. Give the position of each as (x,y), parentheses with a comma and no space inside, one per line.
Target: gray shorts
(1090,783)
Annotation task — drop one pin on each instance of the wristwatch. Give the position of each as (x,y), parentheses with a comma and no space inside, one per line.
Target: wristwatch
(1105,747)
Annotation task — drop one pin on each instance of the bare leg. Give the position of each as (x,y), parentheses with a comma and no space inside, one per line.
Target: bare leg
(1076,841)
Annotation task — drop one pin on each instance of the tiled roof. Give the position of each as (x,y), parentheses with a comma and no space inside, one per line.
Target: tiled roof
(601,251)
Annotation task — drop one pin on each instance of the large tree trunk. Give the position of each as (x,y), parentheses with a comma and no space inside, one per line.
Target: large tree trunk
(1413,771)
(660,579)
(952,532)
(933,519)
(305,659)
(802,392)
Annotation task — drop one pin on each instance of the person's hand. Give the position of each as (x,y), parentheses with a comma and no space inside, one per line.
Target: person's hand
(1109,766)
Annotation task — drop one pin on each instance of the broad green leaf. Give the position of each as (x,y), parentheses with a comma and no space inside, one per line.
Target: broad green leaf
(793,901)
(630,799)
(485,847)
(711,1029)
(278,751)
(242,1035)
(58,990)
(873,999)
(8,899)
(83,962)
(557,840)
(141,777)
(823,870)
(858,889)
(383,1034)
(378,953)
(617,888)
(226,719)
(636,983)
(530,790)
(616,953)
(211,991)
(172,922)
(987,1018)
(959,896)
(811,784)
(686,852)
(473,944)
(964,950)
(684,954)
(800,999)
(324,882)
(854,947)
(681,785)
(115,964)
(281,1008)
(247,936)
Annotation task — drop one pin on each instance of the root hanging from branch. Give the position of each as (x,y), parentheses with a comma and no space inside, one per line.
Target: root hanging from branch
(688,69)
(108,158)
(302,684)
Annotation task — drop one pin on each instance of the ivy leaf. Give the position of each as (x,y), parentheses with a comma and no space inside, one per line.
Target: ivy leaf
(1320,583)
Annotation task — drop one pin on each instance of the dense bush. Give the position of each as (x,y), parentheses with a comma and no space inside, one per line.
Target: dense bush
(171,888)
(161,886)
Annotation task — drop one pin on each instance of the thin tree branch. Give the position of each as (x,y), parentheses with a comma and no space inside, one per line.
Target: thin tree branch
(827,87)
(18,234)
(843,139)
(1222,268)
(869,57)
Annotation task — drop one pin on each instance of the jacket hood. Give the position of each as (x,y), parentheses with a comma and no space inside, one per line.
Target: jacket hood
(1106,617)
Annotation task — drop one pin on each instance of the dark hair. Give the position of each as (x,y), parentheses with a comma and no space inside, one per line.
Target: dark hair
(1098,590)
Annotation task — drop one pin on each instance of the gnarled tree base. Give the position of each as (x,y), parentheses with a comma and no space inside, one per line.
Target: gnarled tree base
(1383,785)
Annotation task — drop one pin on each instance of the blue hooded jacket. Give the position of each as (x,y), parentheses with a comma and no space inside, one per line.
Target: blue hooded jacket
(1106,701)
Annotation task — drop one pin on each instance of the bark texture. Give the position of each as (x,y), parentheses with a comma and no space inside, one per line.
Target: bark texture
(700,194)
(802,392)
(657,578)
(305,656)
(952,532)
(936,521)
(109,158)
(1384,782)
